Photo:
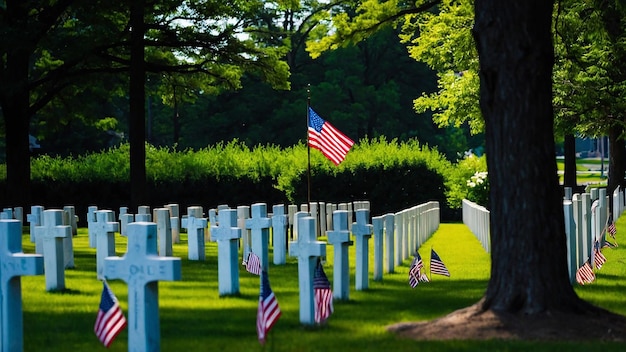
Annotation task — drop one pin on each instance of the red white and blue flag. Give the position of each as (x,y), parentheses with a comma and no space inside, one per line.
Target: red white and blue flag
(598,258)
(415,271)
(436,265)
(327,139)
(323,295)
(584,274)
(253,264)
(110,320)
(268,311)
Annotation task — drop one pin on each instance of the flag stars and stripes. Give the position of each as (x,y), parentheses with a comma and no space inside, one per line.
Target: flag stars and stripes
(268,311)
(322,136)
(110,320)
(436,264)
(415,274)
(323,295)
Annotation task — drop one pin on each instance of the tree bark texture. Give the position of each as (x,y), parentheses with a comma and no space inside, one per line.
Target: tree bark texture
(529,268)
(137,109)
(16,109)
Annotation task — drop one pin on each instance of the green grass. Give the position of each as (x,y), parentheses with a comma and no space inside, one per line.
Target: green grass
(587,171)
(194,318)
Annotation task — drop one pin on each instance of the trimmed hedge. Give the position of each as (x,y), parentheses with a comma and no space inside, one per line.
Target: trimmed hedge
(391,175)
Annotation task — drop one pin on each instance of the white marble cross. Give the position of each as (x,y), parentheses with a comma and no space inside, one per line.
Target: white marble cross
(378,229)
(279,234)
(104,229)
(389,240)
(259,226)
(243,214)
(52,233)
(142,269)
(175,221)
(69,218)
(195,225)
(13,265)
(308,250)
(339,238)
(362,232)
(164,231)
(35,218)
(227,235)
(91,219)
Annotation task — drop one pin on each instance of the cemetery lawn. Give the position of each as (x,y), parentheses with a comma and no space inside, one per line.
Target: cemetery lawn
(194,317)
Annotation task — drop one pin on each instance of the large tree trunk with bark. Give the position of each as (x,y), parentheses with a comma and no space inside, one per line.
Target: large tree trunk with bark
(15,110)
(529,267)
(137,123)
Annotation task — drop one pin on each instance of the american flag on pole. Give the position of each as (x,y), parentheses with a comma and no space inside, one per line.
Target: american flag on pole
(598,258)
(269,311)
(110,320)
(415,274)
(323,295)
(436,265)
(327,139)
(253,264)
(584,274)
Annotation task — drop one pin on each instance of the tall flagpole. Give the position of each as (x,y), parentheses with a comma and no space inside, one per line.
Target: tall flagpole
(308,147)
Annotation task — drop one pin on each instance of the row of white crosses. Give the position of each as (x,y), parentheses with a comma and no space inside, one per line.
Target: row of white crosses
(586,221)
(142,267)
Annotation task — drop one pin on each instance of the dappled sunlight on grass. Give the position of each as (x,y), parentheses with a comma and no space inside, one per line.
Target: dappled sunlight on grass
(193,317)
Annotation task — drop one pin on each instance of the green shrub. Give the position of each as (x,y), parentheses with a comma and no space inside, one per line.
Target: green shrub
(391,175)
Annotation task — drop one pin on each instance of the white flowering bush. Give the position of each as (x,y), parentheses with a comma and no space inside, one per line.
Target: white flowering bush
(478,188)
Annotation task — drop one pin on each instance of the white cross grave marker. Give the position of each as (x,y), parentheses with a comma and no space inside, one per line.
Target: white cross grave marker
(174,221)
(362,232)
(104,229)
(91,219)
(378,228)
(243,214)
(339,238)
(279,234)
(227,235)
(52,233)
(68,245)
(35,218)
(14,264)
(195,225)
(259,226)
(164,231)
(307,249)
(389,242)
(142,269)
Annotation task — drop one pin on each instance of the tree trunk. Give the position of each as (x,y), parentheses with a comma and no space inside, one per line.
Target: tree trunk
(15,110)
(617,154)
(569,174)
(528,268)
(137,110)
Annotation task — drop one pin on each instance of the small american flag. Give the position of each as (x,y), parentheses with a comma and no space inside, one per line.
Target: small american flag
(436,265)
(612,229)
(323,295)
(327,139)
(598,258)
(268,311)
(415,270)
(253,264)
(110,320)
(584,274)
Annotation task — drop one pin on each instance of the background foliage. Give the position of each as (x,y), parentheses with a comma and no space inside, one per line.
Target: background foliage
(392,175)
